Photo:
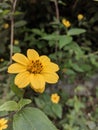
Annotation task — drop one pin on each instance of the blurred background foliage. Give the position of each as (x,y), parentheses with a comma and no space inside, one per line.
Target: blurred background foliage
(38,25)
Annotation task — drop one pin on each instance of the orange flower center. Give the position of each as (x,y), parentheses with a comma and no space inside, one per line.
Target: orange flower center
(35,67)
(55,99)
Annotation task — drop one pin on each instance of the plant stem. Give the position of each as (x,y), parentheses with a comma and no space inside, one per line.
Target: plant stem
(11,114)
(57,10)
(58,20)
(12,29)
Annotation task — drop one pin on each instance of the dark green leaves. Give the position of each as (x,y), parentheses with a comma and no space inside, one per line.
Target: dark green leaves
(14,106)
(57,110)
(76,31)
(9,106)
(64,40)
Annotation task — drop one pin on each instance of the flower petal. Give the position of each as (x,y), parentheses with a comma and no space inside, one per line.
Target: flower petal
(50,77)
(32,54)
(50,67)
(20,58)
(22,79)
(44,59)
(40,90)
(4,121)
(5,126)
(16,68)
(37,82)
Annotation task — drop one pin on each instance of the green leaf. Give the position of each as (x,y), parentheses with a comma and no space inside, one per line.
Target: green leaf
(62,3)
(4,5)
(77,68)
(17,13)
(48,110)
(93,60)
(9,106)
(64,40)
(76,31)
(78,104)
(16,49)
(70,72)
(73,47)
(57,109)
(70,102)
(23,102)
(20,23)
(39,102)
(51,37)
(86,67)
(38,32)
(77,50)
(32,119)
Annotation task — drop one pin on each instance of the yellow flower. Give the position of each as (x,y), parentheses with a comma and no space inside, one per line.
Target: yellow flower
(6,25)
(34,70)
(3,124)
(16,42)
(66,23)
(1,59)
(80,17)
(55,98)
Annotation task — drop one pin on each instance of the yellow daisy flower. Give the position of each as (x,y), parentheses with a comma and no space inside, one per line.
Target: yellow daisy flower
(16,42)
(80,17)
(1,59)
(3,124)
(55,98)
(66,23)
(6,26)
(34,70)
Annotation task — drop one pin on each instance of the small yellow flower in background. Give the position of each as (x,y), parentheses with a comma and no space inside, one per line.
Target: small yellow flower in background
(16,42)
(55,98)
(66,23)
(34,70)
(3,124)
(6,26)
(1,60)
(80,17)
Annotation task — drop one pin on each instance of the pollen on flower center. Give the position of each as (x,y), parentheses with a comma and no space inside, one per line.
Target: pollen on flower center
(35,67)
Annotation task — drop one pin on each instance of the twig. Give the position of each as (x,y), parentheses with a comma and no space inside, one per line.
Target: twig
(12,29)
(58,20)
(94,53)
(57,10)
(74,5)
(3,69)
(8,115)
(4,116)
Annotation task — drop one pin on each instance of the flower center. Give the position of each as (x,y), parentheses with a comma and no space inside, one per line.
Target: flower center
(35,67)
